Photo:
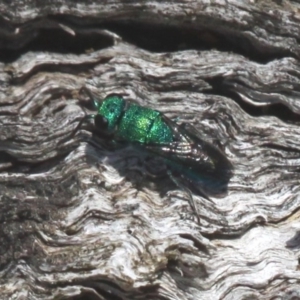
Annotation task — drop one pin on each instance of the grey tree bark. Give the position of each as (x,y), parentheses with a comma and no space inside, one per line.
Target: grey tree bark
(80,218)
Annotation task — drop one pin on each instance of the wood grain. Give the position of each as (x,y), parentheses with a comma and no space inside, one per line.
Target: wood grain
(81,218)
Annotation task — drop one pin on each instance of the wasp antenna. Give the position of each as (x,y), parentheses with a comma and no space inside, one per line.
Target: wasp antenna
(90,95)
(85,118)
(191,200)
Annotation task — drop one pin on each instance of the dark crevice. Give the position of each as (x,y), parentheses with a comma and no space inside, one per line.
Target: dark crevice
(88,296)
(230,233)
(294,242)
(104,294)
(280,147)
(151,37)
(18,166)
(170,38)
(278,110)
(109,290)
(163,38)
(197,244)
(56,41)
(6,158)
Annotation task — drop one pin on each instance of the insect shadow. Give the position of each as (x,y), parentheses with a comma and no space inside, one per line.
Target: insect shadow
(191,163)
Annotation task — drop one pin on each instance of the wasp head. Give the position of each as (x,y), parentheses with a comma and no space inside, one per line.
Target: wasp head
(109,113)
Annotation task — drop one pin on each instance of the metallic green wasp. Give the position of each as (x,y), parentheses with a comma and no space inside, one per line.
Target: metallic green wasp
(192,162)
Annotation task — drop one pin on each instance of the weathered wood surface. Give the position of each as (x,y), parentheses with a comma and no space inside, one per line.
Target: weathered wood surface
(77,220)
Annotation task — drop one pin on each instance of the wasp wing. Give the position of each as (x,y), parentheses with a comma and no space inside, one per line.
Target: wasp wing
(200,163)
(190,150)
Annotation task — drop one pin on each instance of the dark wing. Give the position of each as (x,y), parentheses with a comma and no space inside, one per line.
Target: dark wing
(192,152)
(202,165)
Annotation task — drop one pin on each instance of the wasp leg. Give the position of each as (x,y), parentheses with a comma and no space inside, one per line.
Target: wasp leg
(199,191)
(191,200)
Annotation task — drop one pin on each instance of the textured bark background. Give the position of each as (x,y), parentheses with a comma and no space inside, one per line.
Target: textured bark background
(78,221)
